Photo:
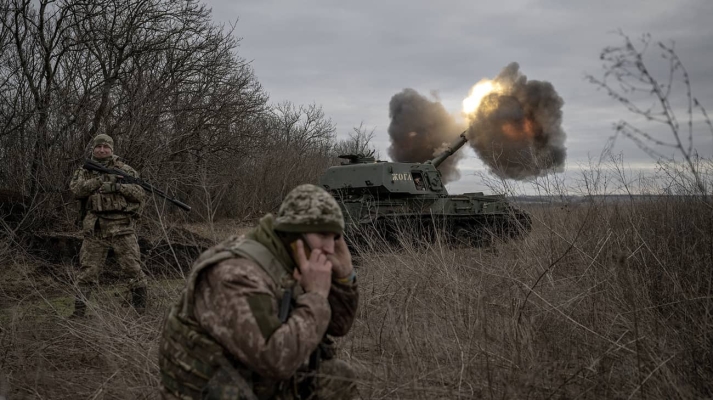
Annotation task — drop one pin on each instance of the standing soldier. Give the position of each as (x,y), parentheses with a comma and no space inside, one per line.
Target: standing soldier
(111,209)
(253,320)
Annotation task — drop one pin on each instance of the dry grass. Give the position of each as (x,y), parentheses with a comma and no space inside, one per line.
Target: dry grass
(219,230)
(602,300)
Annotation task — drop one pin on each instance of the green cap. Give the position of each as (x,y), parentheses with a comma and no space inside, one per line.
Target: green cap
(103,139)
(309,209)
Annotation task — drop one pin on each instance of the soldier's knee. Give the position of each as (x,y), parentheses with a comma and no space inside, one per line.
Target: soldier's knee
(138,281)
(92,256)
(337,367)
(336,379)
(88,275)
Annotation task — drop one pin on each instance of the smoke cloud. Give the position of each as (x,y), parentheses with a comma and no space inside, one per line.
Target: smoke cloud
(420,129)
(516,130)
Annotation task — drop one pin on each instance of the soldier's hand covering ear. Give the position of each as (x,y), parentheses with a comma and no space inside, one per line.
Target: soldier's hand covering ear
(315,274)
(341,259)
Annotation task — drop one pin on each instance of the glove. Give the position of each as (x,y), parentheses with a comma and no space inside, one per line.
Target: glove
(94,184)
(111,178)
(110,187)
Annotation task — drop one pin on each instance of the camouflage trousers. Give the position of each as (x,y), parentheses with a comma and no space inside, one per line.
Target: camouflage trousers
(94,251)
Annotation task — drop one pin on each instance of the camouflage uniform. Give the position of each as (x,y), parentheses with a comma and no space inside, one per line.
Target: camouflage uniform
(109,223)
(225,340)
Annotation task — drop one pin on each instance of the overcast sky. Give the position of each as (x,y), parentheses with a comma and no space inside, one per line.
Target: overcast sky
(352,57)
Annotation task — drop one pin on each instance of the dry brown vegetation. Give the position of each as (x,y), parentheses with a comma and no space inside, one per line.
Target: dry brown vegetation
(608,297)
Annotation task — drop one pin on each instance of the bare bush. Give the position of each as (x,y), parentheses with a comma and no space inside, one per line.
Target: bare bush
(358,142)
(295,146)
(655,98)
(157,75)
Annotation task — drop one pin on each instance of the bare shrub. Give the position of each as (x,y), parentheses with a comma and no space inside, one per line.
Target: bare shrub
(359,141)
(655,98)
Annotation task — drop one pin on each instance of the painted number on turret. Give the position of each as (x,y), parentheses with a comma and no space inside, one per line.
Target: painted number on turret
(401,177)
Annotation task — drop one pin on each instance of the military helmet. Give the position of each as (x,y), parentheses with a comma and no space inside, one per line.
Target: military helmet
(103,139)
(309,209)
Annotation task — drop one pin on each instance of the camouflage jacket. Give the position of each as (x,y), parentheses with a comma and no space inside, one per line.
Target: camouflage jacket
(234,314)
(107,214)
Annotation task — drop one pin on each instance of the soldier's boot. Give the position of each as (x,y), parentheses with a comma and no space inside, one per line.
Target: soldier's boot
(80,303)
(138,299)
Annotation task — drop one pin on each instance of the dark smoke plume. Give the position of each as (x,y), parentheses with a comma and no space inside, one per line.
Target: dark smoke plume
(517,130)
(420,129)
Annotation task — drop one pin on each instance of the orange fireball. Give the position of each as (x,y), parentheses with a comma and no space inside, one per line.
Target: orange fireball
(519,131)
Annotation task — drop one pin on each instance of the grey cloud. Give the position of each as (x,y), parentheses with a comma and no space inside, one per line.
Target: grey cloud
(351,57)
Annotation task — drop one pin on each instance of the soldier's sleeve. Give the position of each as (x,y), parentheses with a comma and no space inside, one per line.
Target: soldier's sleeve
(83,186)
(235,304)
(343,300)
(132,192)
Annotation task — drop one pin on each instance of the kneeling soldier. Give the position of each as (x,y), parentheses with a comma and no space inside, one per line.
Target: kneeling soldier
(253,320)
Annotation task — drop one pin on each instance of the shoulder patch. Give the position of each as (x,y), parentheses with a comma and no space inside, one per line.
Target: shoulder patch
(265,316)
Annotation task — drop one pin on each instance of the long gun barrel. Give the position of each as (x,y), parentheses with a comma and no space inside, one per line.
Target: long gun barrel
(94,166)
(449,151)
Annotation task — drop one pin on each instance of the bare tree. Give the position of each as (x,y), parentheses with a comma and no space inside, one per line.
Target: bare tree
(157,75)
(629,78)
(39,47)
(300,127)
(295,149)
(359,142)
(171,89)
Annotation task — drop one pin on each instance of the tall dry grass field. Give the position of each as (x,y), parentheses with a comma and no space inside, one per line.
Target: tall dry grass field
(603,299)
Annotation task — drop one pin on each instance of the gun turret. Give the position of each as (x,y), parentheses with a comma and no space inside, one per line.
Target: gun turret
(452,148)
(357,158)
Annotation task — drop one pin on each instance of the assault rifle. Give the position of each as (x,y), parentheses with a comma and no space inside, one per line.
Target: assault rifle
(91,165)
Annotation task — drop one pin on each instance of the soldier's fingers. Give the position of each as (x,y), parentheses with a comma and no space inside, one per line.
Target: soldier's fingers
(325,264)
(321,259)
(300,253)
(315,255)
(332,258)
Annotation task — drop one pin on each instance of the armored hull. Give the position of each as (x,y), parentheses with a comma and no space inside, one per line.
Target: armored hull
(384,198)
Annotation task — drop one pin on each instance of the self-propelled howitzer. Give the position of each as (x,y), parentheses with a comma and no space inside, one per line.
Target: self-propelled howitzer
(391,197)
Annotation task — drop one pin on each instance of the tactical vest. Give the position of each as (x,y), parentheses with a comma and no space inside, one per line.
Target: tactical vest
(101,203)
(193,365)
